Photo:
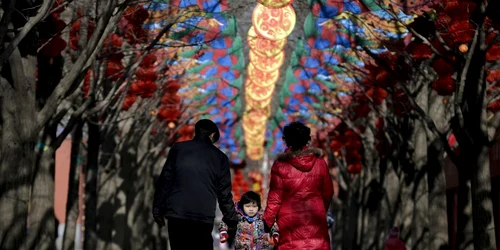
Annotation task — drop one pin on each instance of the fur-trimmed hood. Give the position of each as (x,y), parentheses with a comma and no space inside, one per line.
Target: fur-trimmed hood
(302,160)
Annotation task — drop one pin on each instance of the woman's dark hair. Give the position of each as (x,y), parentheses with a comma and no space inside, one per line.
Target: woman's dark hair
(296,135)
(249,197)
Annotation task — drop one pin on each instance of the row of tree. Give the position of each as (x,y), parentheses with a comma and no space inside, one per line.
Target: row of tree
(89,69)
(438,85)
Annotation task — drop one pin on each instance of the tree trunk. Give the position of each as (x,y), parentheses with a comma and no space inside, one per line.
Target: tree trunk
(72,208)
(17,97)
(41,218)
(482,207)
(90,172)
(140,198)
(415,230)
(438,214)
(351,211)
(464,218)
(371,194)
(338,233)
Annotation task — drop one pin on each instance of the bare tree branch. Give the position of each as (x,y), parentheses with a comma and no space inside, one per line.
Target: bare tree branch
(42,12)
(104,26)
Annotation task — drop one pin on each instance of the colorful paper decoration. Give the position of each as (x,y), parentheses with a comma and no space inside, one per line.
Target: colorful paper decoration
(262,78)
(266,64)
(263,46)
(258,93)
(273,21)
(273,24)
(275,3)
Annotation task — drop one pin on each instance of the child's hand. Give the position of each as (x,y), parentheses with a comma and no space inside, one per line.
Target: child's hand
(276,238)
(329,219)
(223,236)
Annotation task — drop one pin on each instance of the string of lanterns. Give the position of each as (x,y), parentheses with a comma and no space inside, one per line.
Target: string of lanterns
(272,22)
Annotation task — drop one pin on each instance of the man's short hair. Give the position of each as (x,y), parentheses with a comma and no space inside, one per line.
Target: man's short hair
(207,127)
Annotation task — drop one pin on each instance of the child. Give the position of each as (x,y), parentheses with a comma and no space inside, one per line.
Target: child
(250,230)
(393,242)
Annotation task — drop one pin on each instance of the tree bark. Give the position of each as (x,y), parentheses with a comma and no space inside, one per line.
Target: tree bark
(41,218)
(337,232)
(438,232)
(351,212)
(415,230)
(17,97)
(475,139)
(482,207)
(464,217)
(371,193)
(91,175)
(72,208)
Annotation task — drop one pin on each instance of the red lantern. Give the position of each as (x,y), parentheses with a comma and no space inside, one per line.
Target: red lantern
(129,101)
(187,130)
(113,42)
(146,74)
(354,168)
(114,70)
(493,54)
(148,61)
(150,86)
(172,86)
(136,15)
(493,75)
(353,157)
(462,31)
(168,113)
(183,138)
(444,85)
(383,78)
(336,145)
(238,178)
(419,50)
(377,94)
(442,67)
(170,98)
(353,145)
(134,88)
(54,47)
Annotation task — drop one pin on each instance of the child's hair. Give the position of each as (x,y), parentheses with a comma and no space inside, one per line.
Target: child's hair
(249,197)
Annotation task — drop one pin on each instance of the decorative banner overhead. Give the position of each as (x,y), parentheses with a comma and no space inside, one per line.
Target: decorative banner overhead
(273,21)
(257,104)
(275,3)
(273,24)
(255,153)
(409,6)
(210,60)
(266,64)
(262,78)
(258,93)
(263,46)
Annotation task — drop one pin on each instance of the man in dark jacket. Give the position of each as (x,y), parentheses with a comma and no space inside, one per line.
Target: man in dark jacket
(195,176)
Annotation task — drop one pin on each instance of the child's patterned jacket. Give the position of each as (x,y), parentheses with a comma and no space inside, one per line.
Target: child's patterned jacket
(250,232)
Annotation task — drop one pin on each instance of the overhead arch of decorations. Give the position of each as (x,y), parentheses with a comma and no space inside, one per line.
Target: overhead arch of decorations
(318,78)
(322,69)
(208,59)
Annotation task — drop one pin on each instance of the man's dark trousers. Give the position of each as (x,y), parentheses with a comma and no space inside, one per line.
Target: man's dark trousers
(190,234)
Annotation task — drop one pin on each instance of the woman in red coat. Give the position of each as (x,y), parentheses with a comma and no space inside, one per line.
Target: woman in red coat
(300,193)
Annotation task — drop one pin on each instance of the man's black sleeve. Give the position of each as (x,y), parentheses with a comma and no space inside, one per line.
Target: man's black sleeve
(224,195)
(164,182)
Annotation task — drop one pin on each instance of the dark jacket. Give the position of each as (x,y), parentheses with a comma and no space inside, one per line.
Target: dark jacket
(195,176)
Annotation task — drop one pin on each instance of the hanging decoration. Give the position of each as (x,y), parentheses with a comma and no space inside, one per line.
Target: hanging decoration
(272,22)
(208,66)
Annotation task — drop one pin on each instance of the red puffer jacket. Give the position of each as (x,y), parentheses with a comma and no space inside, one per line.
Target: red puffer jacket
(299,196)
